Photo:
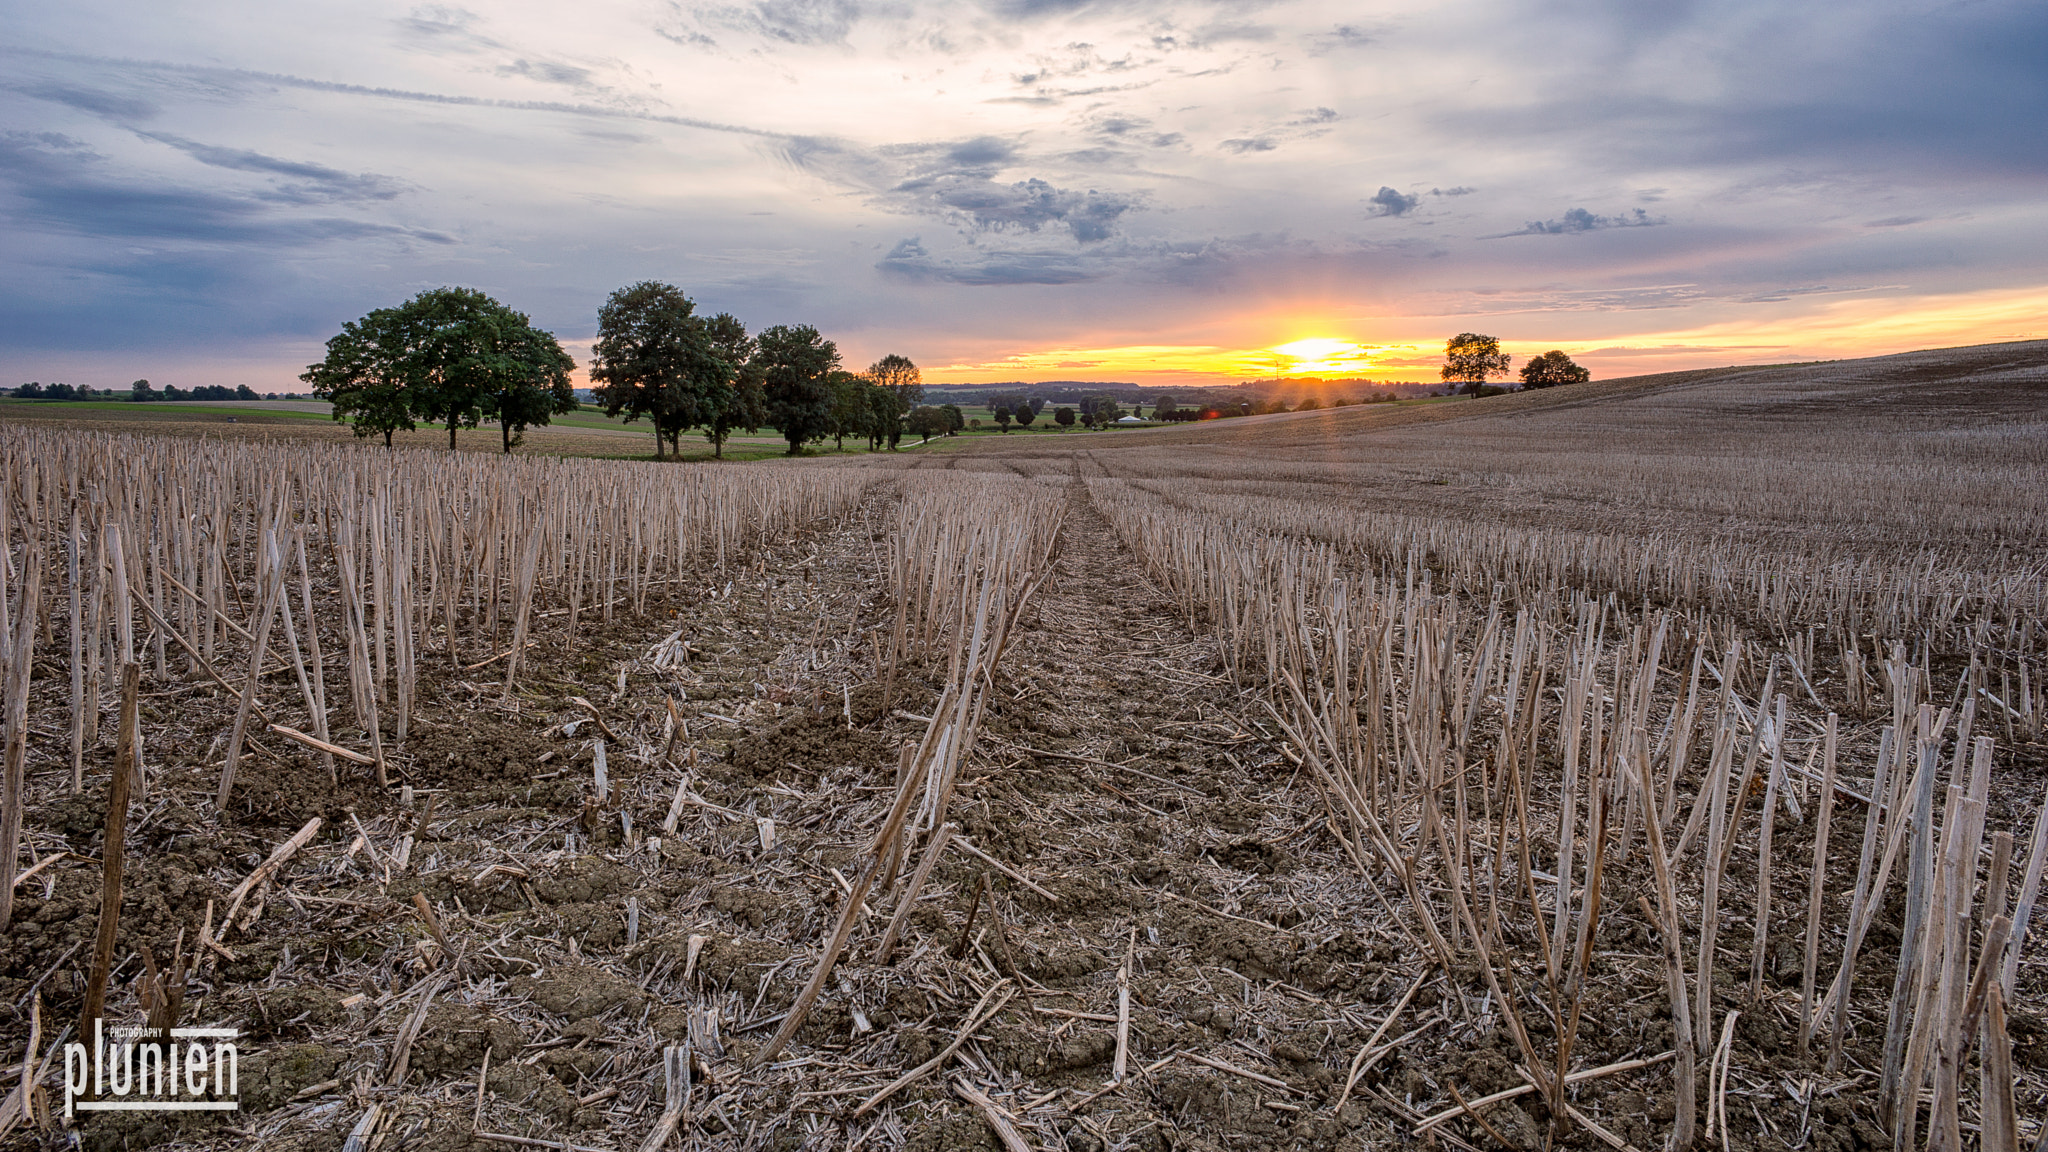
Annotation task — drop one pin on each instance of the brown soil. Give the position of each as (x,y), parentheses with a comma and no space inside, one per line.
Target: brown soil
(1173,829)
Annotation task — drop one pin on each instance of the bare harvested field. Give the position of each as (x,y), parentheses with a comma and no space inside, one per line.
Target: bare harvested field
(1648,764)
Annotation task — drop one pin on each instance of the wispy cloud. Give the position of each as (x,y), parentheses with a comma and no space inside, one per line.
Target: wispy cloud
(910,261)
(1576,220)
(318,182)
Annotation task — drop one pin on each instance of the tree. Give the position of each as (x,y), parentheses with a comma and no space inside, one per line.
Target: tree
(656,358)
(1003,419)
(955,422)
(1106,411)
(364,376)
(740,405)
(1470,359)
(445,356)
(141,392)
(243,391)
(902,379)
(1164,408)
(1551,369)
(1024,414)
(928,421)
(795,362)
(885,423)
(849,405)
(1064,417)
(536,392)
(1308,404)
(460,347)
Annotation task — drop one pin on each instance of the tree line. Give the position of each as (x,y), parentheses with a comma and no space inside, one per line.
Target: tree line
(140,391)
(455,357)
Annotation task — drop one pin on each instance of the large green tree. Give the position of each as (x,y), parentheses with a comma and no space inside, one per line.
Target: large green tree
(448,355)
(740,406)
(885,423)
(849,411)
(796,364)
(364,376)
(656,358)
(1551,369)
(463,349)
(1471,359)
(928,421)
(535,390)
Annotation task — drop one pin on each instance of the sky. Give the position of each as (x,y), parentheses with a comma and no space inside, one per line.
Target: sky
(1030,189)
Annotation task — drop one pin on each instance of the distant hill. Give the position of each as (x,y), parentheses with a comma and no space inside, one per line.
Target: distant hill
(1935,387)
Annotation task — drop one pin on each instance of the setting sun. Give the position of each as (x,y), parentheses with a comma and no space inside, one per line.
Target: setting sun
(1321,356)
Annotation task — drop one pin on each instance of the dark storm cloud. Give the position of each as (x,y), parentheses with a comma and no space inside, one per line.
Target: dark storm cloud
(1577,220)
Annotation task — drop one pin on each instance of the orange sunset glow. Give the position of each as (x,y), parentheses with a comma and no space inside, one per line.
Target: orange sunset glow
(1610,346)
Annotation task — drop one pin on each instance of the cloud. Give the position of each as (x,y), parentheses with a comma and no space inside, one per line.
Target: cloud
(1306,126)
(103,104)
(1576,220)
(1674,349)
(321,182)
(1895,222)
(234,82)
(1344,36)
(442,28)
(1387,202)
(547,72)
(63,188)
(1459,191)
(1229,32)
(910,261)
(1780,295)
(955,181)
(792,21)
(1135,129)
